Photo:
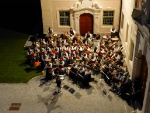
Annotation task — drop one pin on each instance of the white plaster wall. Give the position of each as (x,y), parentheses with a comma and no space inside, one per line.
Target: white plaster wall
(46,15)
(54,5)
(127,9)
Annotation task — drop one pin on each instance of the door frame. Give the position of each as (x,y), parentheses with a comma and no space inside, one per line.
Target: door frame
(96,18)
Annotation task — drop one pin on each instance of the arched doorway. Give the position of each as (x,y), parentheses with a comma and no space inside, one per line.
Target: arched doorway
(86,23)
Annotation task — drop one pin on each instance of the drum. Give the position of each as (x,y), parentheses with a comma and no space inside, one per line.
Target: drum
(61,77)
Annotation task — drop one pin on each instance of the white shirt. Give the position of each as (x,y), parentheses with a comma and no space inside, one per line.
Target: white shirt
(73,32)
(80,48)
(85,56)
(89,34)
(87,72)
(113,31)
(48,65)
(94,58)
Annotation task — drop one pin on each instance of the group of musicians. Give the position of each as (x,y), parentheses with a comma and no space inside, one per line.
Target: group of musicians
(57,53)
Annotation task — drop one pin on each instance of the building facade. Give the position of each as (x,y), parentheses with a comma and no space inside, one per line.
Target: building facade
(135,36)
(96,16)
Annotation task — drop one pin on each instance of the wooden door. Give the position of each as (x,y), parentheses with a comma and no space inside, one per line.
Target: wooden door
(86,23)
(143,77)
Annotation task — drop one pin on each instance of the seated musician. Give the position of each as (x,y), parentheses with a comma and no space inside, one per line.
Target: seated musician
(70,60)
(86,51)
(77,51)
(85,57)
(64,35)
(96,66)
(56,53)
(88,35)
(58,43)
(80,50)
(75,40)
(63,47)
(31,57)
(84,40)
(73,70)
(120,48)
(81,70)
(97,36)
(61,63)
(90,42)
(37,45)
(67,49)
(74,55)
(93,59)
(53,55)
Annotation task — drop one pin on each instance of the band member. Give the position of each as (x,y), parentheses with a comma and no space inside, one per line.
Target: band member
(50,32)
(93,59)
(80,50)
(97,36)
(88,35)
(49,70)
(96,66)
(113,31)
(85,57)
(81,70)
(72,32)
(70,60)
(58,81)
(87,76)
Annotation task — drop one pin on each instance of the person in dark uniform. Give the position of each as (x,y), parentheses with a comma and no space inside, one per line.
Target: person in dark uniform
(97,36)
(58,82)
(87,76)
(72,32)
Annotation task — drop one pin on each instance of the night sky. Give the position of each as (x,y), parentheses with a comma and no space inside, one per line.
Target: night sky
(21,15)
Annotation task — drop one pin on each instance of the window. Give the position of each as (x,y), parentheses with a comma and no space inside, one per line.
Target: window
(127,28)
(108,17)
(64,17)
(122,20)
(131,50)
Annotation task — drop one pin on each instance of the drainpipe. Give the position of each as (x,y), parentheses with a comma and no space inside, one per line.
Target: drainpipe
(120,15)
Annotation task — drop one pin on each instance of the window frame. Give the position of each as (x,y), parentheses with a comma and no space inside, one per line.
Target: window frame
(58,18)
(107,16)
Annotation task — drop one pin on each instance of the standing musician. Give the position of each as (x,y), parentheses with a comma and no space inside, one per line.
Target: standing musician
(50,32)
(49,70)
(72,32)
(87,76)
(113,31)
